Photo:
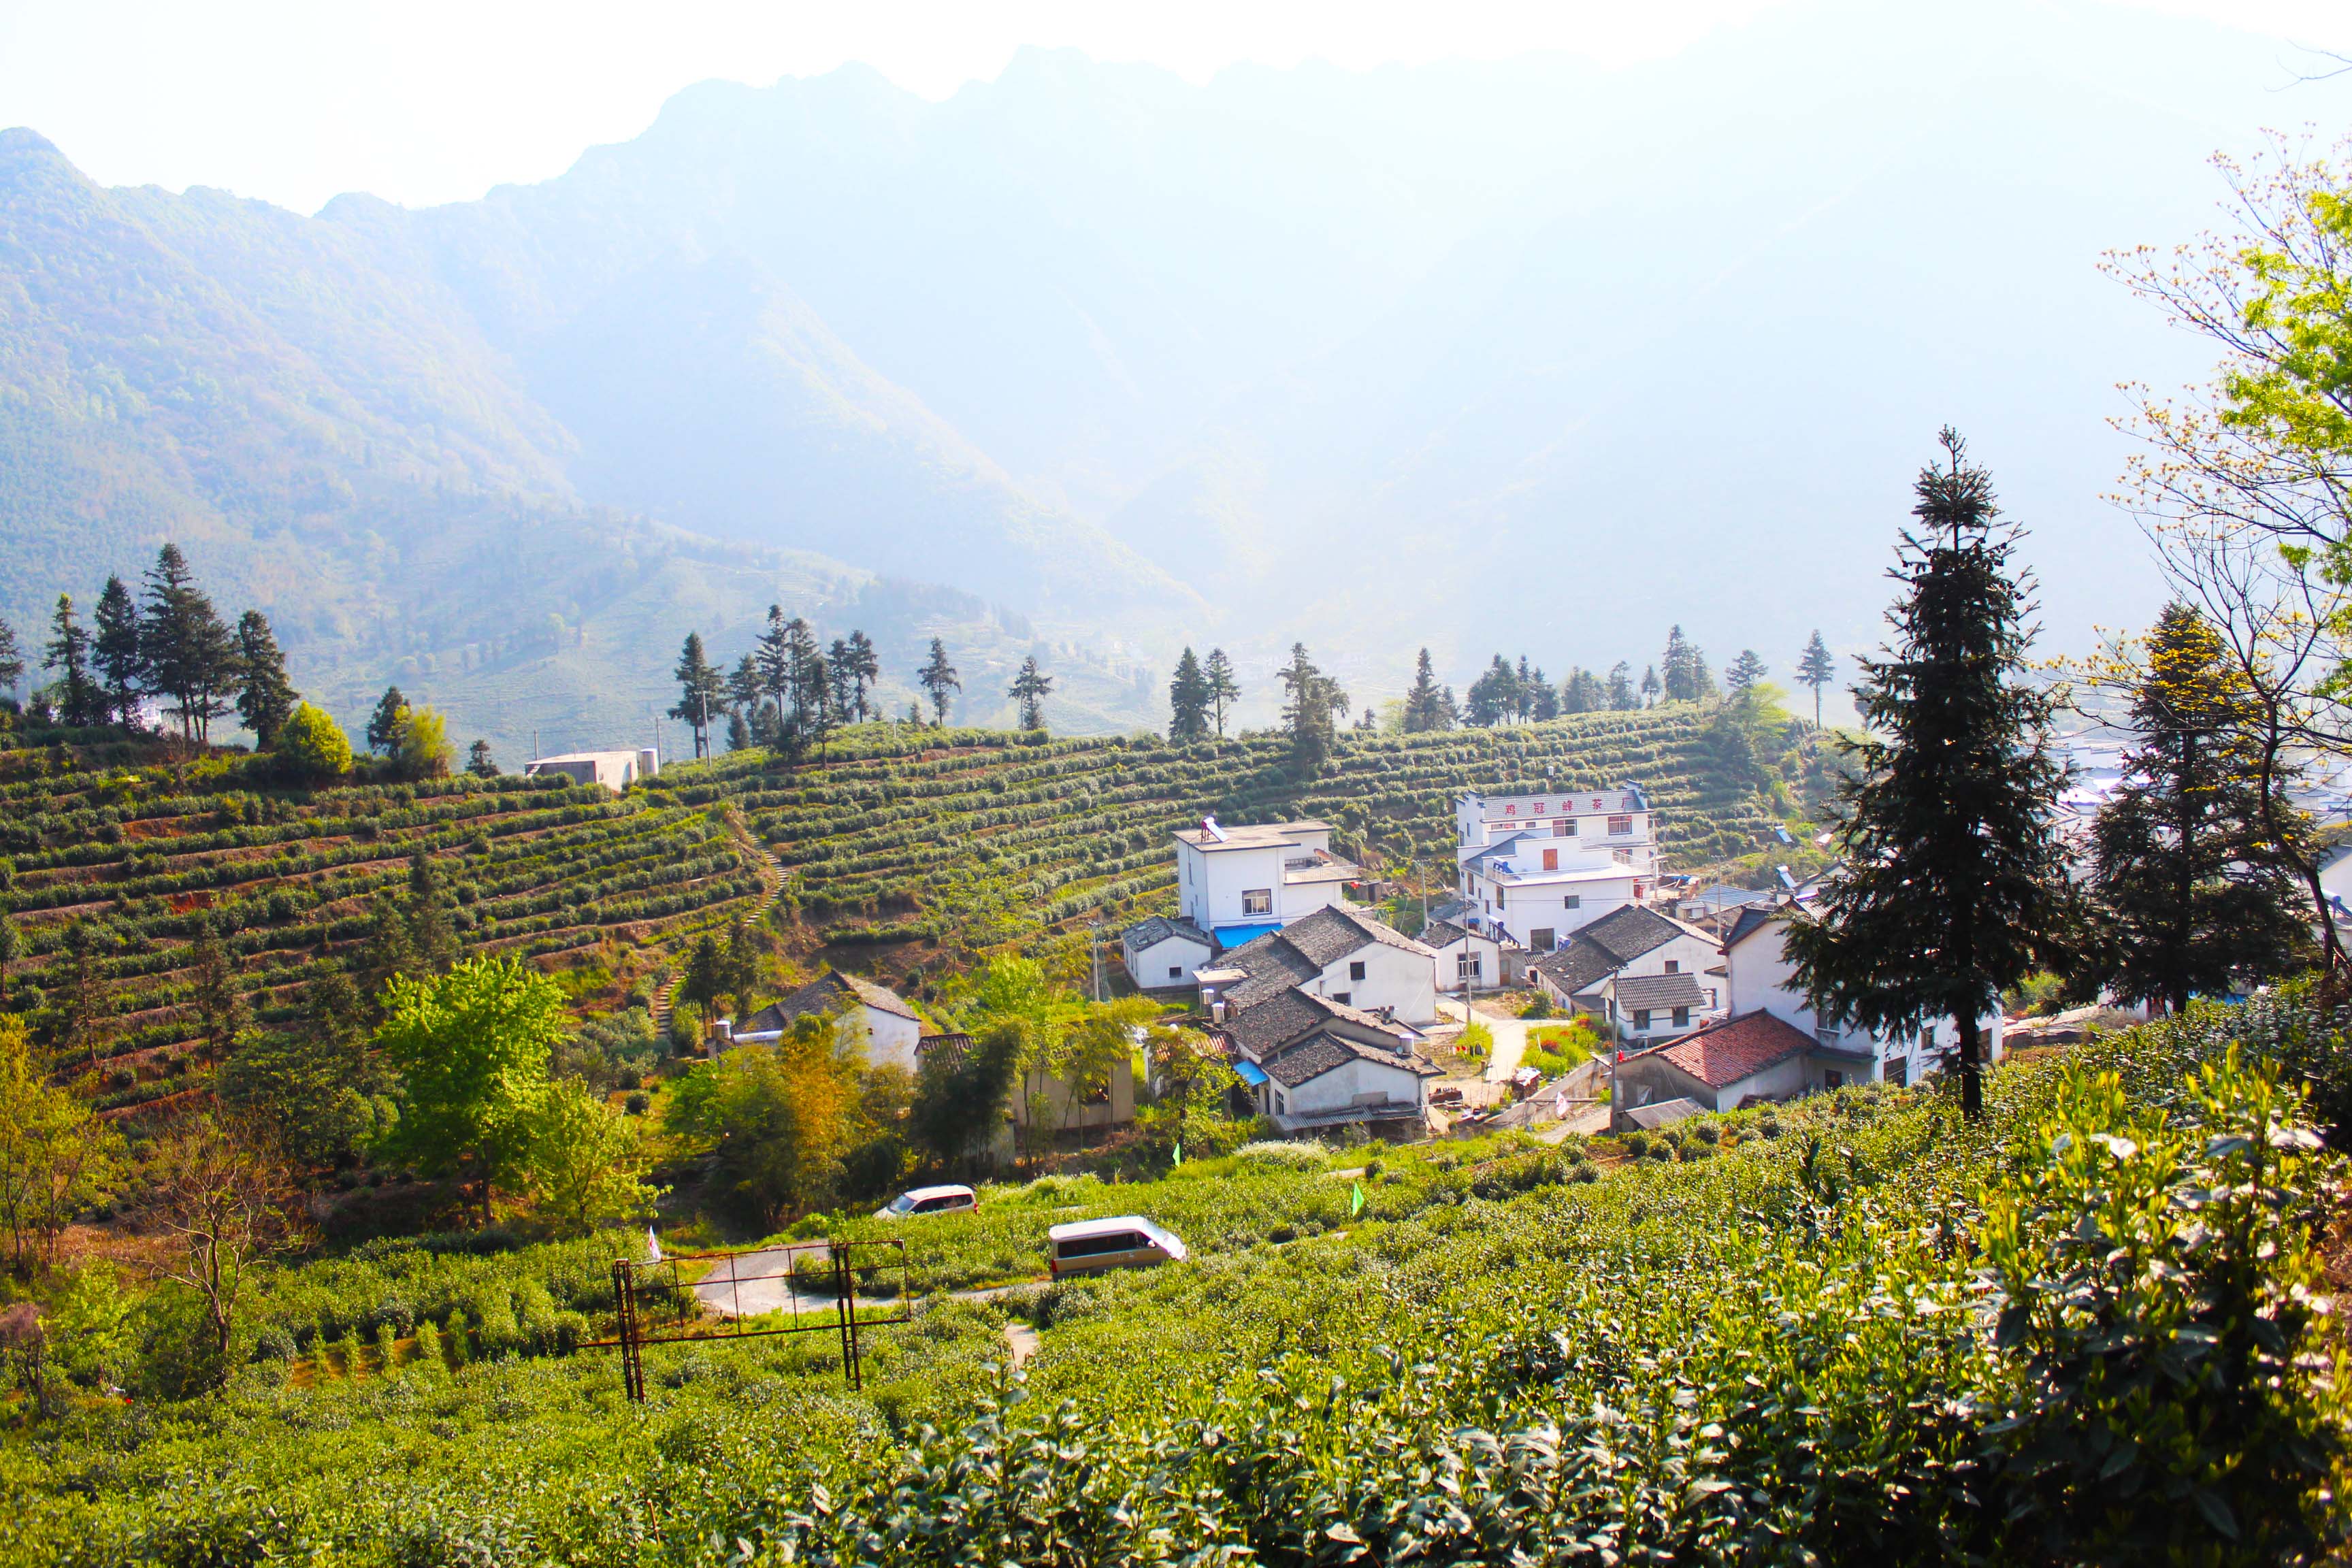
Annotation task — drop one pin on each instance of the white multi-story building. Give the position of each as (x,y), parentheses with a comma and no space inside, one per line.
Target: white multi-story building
(1239,883)
(1537,868)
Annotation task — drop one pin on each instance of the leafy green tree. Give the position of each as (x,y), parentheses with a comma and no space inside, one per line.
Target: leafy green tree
(480,762)
(383,724)
(587,1160)
(1224,687)
(777,1119)
(267,698)
(1583,692)
(12,661)
(940,681)
(1952,887)
(1030,688)
(81,701)
(313,1087)
(471,1049)
(1817,667)
(960,1103)
(702,692)
(420,744)
(1424,707)
(312,746)
(55,1157)
(186,651)
(704,979)
(1307,712)
(120,663)
(1187,700)
(2193,903)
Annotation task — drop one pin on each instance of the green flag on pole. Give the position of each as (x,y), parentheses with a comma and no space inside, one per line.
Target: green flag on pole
(1356,1201)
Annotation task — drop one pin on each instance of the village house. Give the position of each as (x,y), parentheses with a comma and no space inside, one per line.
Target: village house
(616,770)
(1348,957)
(1746,1060)
(1651,975)
(1759,975)
(1308,1063)
(1235,884)
(1464,957)
(883,1025)
(1165,953)
(1536,867)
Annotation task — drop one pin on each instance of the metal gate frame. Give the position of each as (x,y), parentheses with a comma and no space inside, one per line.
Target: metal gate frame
(651,1301)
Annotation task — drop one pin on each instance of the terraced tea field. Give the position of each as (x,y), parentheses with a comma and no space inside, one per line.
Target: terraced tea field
(916,854)
(139,855)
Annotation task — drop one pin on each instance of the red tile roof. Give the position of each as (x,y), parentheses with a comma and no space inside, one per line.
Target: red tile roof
(1722,1054)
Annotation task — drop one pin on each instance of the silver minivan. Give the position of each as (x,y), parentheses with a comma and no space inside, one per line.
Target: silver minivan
(930,1200)
(1129,1241)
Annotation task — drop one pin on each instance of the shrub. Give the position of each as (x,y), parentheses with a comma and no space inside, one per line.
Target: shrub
(312,747)
(1290,1156)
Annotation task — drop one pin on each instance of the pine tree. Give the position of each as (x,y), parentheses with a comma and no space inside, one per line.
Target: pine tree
(1187,700)
(1650,686)
(1542,697)
(1224,689)
(384,951)
(1449,712)
(1816,668)
(1622,694)
(186,650)
(1029,690)
(12,661)
(432,939)
(1952,882)
(1313,699)
(81,703)
(213,993)
(738,733)
(119,663)
(1422,712)
(1744,672)
(1583,692)
(383,724)
(865,668)
(265,699)
(2191,902)
(939,680)
(847,691)
(1683,669)
(1493,696)
(702,692)
(771,656)
(480,762)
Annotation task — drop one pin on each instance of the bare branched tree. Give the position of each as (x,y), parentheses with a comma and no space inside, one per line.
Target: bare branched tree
(226,1202)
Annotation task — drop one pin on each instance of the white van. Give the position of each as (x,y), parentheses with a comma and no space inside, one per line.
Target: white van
(1092,1246)
(930,1200)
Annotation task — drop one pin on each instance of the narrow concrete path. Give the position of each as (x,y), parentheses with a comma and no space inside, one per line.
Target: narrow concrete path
(1023,1341)
(1510,1038)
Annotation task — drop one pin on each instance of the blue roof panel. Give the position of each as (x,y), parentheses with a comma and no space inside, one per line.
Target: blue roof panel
(1249,1073)
(1233,936)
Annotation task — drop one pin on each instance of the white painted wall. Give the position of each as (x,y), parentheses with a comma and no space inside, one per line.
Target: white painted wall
(1356,1082)
(882,1037)
(1449,963)
(1580,820)
(1393,978)
(1150,967)
(1212,884)
(1762,975)
(1524,907)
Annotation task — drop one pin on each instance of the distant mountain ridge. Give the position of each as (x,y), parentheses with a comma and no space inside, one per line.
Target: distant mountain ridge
(1521,356)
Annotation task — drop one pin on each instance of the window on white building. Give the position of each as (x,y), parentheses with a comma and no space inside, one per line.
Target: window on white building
(1343,997)
(1257,900)
(1573,901)
(1469,966)
(1175,971)
(1356,971)
(1539,939)
(1564,828)
(1674,966)
(1641,1020)
(1682,1017)
(1619,825)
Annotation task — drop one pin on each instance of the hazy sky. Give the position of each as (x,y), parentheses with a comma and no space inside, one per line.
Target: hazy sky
(432,101)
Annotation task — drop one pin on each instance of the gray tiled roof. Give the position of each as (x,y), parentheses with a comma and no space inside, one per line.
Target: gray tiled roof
(1270,1027)
(833,993)
(1753,919)
(1302,950)
(1658,992)
(1580,965)
(1159,928)
(1325,1050)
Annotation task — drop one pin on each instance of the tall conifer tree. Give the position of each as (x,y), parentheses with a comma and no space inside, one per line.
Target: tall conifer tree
(186,652)
(1421,700)
(81,703)
(383,724)
(1187,700)
(1224,687)
(12,660)
(2192,903)
(1029,690)
(1816,668)
(265,699)
(1952,882)
(702,692)
(116,651)
(940,681)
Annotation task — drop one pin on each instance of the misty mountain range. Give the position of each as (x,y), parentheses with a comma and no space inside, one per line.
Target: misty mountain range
(1088,361)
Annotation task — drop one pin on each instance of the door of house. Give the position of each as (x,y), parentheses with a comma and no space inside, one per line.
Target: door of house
(1551,859)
